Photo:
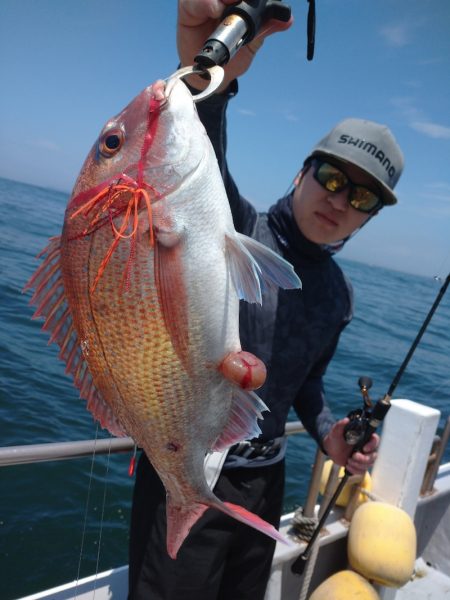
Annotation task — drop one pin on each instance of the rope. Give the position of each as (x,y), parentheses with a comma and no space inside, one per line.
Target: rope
(303,528)
(373,497)
(309,571)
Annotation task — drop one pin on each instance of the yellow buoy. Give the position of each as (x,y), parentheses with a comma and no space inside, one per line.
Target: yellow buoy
(382,543)
(344,496)
(345,585)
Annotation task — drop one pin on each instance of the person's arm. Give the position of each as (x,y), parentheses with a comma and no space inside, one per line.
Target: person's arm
(197,19)
(212,113)
(315,414)
(310,403)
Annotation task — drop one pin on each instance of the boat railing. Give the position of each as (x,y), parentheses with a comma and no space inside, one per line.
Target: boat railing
(35,453)
(53,451)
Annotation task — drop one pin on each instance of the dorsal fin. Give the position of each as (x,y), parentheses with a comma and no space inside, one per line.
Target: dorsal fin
(51,303)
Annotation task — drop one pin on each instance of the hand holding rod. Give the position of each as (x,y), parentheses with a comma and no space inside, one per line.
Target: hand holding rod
(373,422)
(240,23)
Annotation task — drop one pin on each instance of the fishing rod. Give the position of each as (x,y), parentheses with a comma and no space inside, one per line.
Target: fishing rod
(363,422)
(239,25)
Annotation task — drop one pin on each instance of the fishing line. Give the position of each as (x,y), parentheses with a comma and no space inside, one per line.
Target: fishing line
(105,487)
(86,510)
(440,270)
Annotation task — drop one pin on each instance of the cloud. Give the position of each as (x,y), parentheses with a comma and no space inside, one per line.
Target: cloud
(425,62)
(291,117)
(246,112)
(438,190)
(434,201)
(430,129)
(396,35)
(407,108)
(418,121)
(44,145)
(413,84)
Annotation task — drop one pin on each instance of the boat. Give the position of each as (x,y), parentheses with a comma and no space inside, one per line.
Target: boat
(407,474)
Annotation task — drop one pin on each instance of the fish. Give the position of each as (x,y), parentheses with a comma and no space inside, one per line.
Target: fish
(141,293)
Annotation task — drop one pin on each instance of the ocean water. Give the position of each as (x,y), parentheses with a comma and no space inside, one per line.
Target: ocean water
(43,507)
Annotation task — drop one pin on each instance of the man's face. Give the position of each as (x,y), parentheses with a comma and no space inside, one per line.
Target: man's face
(325,217)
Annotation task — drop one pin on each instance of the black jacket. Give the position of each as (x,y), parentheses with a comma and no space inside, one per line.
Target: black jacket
(295,332)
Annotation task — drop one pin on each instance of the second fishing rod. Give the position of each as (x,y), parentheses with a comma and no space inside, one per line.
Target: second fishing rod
(363,423)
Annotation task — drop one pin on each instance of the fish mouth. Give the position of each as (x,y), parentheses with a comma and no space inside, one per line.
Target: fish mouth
(160,93)
(169,84)
(162,89)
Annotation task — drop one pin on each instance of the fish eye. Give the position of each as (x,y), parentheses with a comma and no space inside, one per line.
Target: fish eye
(111,142)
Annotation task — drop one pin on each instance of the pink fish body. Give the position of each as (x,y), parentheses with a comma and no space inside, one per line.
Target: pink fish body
(141,292)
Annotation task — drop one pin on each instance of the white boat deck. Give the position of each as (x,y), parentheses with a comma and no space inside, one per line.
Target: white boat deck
(427,583)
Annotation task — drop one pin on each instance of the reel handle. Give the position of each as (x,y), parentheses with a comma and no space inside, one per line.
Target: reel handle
(365,383)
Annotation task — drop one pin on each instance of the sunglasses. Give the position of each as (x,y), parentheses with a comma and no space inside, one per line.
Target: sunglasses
(334,180)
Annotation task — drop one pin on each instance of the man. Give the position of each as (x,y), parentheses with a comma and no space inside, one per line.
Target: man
(345,180)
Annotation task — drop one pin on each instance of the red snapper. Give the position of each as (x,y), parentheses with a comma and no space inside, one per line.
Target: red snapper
(141,292)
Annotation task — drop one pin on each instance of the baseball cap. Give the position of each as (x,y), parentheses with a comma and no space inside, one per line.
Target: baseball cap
(368,145)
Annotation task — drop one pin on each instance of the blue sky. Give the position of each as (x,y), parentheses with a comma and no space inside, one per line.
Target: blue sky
(66,67)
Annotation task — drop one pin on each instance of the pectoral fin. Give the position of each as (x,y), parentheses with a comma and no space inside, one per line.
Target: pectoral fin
(255,267)
(171,289)
(246,408)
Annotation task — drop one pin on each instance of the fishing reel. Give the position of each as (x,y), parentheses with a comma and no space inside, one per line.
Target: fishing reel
(364,421)
(355,430)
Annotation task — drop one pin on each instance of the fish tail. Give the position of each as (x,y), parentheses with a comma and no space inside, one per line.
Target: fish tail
(252,520)
(180,519)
